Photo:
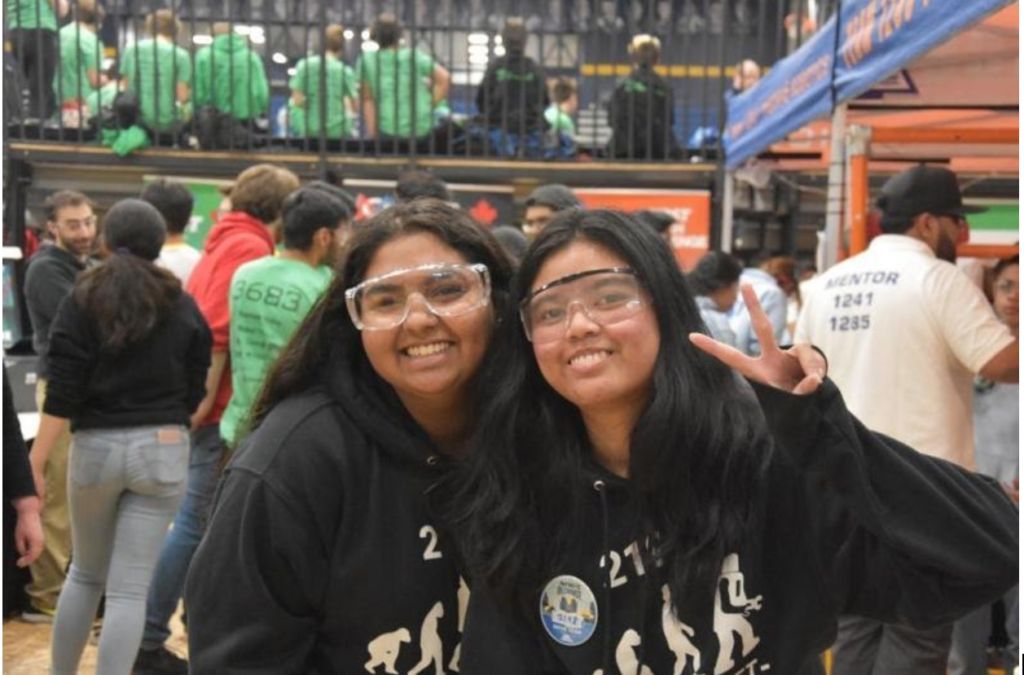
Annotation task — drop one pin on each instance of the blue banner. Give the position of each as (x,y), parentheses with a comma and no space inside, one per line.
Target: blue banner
(876,38)
(796,91)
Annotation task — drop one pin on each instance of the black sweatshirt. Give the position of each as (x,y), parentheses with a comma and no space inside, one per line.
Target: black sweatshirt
(642,115)
(158,380)
(513,95)
(17,469)
(320,555)
(50,276)
(853,523)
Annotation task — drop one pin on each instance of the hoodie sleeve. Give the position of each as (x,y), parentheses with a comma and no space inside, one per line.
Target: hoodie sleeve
(901,536)
(197,358)
(72,358)
(254,583)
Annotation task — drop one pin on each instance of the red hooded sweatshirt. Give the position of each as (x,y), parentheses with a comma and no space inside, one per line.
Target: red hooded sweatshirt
(234,240)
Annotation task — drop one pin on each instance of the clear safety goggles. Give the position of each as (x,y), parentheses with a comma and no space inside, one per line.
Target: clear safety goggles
(446,289)
(606,296)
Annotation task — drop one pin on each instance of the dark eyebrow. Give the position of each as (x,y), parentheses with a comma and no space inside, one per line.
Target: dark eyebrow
(378,289)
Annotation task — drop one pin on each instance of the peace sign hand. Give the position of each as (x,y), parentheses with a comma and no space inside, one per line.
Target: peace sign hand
(799,369)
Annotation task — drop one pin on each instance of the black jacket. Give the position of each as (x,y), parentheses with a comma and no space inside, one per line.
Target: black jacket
(642,114)
(158,380)
(321,556)
(513,95)
(50,275)
(853,523)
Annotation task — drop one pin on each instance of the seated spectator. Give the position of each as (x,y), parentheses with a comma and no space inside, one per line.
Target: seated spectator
(231,80)
(399,86)
(747,74)
(565,101)
(174,202)
(338,80)
(513,95)
(159,72)
(80,78)
(642,108)
(716,284)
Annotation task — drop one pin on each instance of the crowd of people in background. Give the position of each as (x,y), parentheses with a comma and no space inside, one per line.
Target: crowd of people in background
(383,443)
(394,95)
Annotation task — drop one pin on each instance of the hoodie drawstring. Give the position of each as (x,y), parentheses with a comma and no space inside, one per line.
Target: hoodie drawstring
(606,583)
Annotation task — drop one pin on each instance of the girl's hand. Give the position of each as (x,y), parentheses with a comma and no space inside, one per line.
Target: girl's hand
(798,370)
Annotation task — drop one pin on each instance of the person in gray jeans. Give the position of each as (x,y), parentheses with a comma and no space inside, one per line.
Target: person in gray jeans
(129,352)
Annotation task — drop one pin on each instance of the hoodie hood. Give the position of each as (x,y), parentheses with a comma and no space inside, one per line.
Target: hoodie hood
(234,223)
(376,410)
(232,42)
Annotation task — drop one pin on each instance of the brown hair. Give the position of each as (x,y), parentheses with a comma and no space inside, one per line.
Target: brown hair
(563,89)
(260,191)
(162,22)
(386,31)
(63,199)
(88,11)
(513,35)
(334,38)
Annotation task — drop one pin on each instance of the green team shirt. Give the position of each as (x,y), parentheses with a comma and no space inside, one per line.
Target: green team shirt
(269,299)
(393,76)
(153,68)
(231,78)
(559,121)
(80,52)
(339,84)
(30,14)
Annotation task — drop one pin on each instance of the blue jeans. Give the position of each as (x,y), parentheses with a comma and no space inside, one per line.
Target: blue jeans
(169,579)
(124,487)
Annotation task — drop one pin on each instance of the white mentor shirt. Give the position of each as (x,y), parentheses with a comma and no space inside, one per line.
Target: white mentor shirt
(904,333)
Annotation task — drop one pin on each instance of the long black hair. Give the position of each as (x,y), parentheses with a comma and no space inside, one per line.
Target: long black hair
(303,363)
(697,453)
(128,294)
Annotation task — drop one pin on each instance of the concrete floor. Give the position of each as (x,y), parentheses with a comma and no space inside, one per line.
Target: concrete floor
(26,647)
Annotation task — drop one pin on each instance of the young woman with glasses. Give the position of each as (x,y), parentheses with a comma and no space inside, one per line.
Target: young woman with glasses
(631,506)
(321,555)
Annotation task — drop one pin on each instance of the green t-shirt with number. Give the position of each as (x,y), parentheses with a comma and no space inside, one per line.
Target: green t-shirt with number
(80,52)
(30,14)
(399,81)
(270,298)
(153,69)
(559,121)
(339,83)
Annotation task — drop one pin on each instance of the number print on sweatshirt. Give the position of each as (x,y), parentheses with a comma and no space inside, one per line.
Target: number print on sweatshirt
(287,299)
(430,534)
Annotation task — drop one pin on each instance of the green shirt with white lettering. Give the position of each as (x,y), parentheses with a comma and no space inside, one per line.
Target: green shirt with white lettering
(153,68)
(339,83)
(270,298)
(400,83)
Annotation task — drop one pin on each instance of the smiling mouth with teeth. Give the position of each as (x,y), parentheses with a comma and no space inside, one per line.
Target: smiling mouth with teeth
(589,358)
(428,350)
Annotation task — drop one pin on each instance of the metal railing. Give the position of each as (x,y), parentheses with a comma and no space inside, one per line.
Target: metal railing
(83,79)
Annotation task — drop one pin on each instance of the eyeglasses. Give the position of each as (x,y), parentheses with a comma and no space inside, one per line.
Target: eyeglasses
(383,302)
(1007,286)
(606,296)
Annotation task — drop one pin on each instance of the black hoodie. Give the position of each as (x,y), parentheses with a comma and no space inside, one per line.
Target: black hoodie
(513,95)
(642,115)
(852,523)
(320,556)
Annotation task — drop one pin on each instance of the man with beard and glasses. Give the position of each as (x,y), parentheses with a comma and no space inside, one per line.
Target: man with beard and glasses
(271,296)
(905,332)
(51,274)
